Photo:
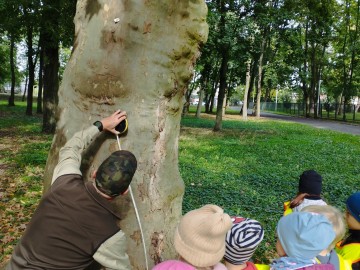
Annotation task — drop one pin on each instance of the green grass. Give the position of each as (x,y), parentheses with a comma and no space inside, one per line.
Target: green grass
(251,168)
(23,154)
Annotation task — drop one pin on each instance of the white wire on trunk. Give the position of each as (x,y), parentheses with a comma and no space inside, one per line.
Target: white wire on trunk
(137,213)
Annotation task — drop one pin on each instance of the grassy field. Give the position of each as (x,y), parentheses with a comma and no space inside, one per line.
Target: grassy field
(23,153)
(249,168)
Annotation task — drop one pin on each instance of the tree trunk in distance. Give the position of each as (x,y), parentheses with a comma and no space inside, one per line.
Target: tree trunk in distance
(31,70)
(136,56)
(51,87)
(222,89)
(201,97)
(224,105)
(11,101)
(247,86)
(188,93)
(260,76)
(50,17)
(26,82)
(253,74)
(39,107)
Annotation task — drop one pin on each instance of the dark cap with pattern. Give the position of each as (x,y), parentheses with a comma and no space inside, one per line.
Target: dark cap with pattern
(116,172)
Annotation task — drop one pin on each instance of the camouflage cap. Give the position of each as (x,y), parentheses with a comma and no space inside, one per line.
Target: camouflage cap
(116,172)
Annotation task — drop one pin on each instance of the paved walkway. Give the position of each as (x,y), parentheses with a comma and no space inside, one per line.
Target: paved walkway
(318,123)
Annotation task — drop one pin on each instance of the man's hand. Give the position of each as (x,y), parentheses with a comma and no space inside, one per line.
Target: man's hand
(109,123)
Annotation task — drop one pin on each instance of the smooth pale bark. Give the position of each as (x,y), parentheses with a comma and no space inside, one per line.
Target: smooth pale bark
(260,76)
(136,56)
(198,108)
(247,86)
(39,107)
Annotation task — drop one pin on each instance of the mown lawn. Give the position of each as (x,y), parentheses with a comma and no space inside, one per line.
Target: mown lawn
(249,168)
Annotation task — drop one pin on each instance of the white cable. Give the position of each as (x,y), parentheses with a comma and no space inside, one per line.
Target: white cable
(136,213)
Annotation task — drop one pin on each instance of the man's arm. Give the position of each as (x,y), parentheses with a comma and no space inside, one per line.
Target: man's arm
(112,253)
(70,154)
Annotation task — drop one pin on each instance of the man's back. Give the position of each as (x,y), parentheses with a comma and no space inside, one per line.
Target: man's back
(69,225)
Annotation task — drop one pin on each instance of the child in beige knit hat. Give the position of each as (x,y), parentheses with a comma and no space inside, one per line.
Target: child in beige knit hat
(200,240)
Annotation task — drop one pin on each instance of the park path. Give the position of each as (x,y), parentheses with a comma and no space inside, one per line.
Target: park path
(317,123)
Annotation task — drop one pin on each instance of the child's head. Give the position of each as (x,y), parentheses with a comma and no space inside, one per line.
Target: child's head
(310,182)
(200,235)
(242,240)
(303,235)
(335,217)
(353,211)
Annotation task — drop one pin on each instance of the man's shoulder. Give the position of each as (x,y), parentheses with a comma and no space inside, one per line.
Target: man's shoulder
(67,179)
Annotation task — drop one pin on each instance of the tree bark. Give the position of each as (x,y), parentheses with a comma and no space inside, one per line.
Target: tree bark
(39,107)
(50,17)
(26,83)
(31,69)
(260,75)
(305,71)
(136,56)
(253,74)
(11,101)
(223,67)
(198,108)
(247,86)
(222,89)
(51,87)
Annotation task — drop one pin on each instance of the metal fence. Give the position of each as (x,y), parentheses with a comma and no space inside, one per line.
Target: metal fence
(332,111)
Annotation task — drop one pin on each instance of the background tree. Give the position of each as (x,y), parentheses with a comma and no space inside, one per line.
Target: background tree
(10,24)
(57,29)
(137,56)
(5,67)
(29,18)
(343,78)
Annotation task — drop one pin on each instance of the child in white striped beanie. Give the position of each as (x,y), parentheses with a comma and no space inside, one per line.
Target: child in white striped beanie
(241,242)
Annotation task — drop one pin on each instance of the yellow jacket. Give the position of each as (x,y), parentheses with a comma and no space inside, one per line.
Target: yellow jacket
(350,252)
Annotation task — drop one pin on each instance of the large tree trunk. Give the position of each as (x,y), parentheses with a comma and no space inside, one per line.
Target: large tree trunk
(136,56)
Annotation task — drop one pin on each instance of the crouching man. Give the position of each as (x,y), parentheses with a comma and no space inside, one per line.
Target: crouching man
(75,222)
